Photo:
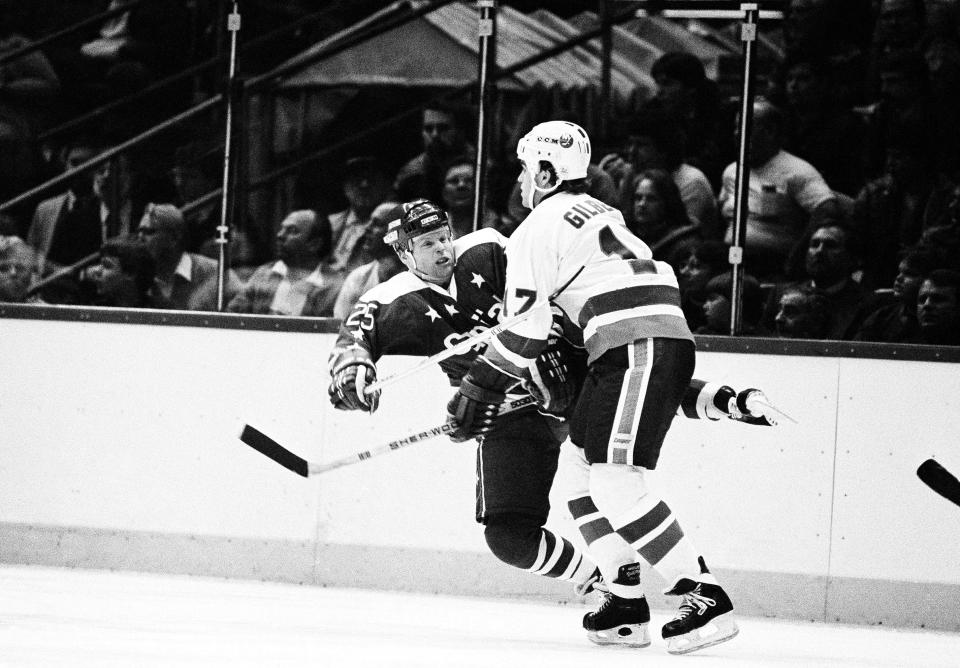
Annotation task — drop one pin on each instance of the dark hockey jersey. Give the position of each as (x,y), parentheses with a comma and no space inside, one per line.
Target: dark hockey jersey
(409,316)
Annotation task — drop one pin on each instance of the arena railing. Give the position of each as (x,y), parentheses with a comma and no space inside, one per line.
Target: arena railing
(41,42)
(193,70)
(342,41)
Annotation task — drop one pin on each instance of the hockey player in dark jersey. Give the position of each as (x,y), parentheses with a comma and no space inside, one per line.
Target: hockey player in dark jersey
(641,360)
(453,289)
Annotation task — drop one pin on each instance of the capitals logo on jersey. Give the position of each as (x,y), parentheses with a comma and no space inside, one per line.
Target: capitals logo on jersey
(409,316)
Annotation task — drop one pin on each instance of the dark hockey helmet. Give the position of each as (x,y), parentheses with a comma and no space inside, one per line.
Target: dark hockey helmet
(418,218)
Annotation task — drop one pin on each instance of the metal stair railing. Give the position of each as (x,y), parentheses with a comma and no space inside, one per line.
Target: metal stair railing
(192,70)
(615,19)
(342,41)
(69,30)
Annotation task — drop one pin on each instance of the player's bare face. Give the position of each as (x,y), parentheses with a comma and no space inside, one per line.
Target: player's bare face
(431,256)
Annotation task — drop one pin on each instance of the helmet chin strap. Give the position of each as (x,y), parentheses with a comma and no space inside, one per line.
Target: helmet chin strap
(416,271)
(534,188)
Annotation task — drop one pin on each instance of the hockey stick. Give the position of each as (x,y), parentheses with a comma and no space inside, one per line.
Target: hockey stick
(756,403)
(467,344)
(265,445)
(940,480)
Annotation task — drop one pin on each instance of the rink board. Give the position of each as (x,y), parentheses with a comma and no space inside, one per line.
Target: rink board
(120,451)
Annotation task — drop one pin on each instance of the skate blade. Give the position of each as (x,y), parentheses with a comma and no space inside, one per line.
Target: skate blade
(625,635)
(716,631)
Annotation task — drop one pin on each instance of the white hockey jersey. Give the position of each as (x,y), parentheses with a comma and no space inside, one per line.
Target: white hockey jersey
(621,295)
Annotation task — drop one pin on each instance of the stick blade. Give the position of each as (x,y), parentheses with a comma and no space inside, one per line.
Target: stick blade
(940,480)
(770,410)
(265,445)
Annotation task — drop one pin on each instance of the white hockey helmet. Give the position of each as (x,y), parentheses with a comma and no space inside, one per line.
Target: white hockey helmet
(564,145)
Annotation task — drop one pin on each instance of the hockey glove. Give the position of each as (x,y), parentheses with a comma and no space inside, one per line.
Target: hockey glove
(714,402)
(474,407)
(351,375)
(744,410)
(556,378)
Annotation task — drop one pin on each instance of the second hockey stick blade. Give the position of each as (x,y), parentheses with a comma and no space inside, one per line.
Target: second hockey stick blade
(267,446)
(940,480)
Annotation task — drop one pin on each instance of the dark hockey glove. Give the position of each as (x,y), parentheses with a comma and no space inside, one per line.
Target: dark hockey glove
(556,378)
(474,407)
(351,375)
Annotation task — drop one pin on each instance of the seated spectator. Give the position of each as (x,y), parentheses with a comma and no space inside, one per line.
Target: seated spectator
(889,211)
(786,196)
(18,270)
(685,93)
(444,130)
(803,312)
(897,322)
(898,26)
(125,274)
(945,242)
(819,129)
(938,308)
(365,185)
(28,89)
(943,206)
(941,52)
(75,223)
(904,105)
(696,265)
(384,264)
(718,304)
(241,251)
(831,258)
(299,283)
(197,171)
(838,31)
(659,217)
(184,281)
(459,181)
(656,141)
(9,225)
(154,35)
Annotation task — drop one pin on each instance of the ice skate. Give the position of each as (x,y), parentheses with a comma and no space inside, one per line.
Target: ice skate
(705,617)
(619,621)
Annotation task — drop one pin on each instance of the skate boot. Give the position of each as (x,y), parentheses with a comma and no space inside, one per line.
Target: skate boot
(705,617)
(619,621)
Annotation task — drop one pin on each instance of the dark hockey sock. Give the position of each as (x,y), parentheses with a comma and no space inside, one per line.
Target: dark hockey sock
(520,541)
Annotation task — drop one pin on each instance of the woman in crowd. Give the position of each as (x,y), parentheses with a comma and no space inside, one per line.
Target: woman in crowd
(695,266)
(659,217)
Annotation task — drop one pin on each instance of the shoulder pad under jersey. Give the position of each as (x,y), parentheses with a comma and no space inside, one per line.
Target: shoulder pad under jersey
(392,289)
(486,235)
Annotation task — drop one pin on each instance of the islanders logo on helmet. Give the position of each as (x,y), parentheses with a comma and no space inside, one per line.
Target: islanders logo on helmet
(564,145)
(419,217)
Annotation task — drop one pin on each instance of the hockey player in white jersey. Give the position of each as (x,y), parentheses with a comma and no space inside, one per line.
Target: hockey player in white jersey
(641,359)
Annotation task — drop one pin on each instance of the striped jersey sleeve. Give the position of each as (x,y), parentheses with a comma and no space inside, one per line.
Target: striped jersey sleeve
(620,295)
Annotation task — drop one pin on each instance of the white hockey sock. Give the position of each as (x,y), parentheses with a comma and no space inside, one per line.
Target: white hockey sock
(643,520)
(607,548)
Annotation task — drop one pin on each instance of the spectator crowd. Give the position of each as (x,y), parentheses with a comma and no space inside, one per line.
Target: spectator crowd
(852,226)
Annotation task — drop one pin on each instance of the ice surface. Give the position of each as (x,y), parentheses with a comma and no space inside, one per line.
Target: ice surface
(64,617)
